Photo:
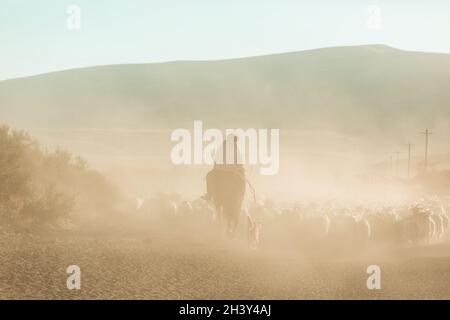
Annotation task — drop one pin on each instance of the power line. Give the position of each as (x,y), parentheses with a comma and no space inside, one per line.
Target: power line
(409,158)
(426,133)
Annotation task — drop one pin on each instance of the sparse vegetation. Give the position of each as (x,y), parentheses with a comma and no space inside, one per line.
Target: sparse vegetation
(47,189)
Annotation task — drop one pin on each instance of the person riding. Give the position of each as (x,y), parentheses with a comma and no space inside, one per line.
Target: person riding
(225,184)
(225,163)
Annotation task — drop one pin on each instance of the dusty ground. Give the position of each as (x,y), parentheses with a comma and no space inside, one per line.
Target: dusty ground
(164,265)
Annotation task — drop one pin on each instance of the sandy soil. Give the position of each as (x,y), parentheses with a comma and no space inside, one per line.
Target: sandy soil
(164,265)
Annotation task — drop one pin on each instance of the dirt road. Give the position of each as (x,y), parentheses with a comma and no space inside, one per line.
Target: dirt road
(167,267)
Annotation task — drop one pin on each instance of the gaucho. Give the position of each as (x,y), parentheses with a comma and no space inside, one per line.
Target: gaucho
(225,185)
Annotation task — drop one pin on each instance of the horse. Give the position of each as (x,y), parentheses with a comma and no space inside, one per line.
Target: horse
(226,189)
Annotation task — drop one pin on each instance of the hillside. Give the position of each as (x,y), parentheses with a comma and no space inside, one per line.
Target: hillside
(347,89)
(341,111)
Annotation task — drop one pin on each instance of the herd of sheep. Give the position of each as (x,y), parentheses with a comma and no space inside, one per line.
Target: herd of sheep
(420,223)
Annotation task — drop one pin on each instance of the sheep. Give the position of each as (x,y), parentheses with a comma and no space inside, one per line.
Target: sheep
(204,210)
(341,228)
(253,232)
(139,203)
(409,231)
(362,231)
(255,216)
(445,223)
(172,209)
(439,226)
(316,227)
(185,209)
(384,226)
(425,224)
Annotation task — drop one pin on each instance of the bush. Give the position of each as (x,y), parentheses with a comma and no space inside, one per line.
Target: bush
(41,188)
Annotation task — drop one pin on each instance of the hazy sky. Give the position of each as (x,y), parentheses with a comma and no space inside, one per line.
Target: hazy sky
(34,37)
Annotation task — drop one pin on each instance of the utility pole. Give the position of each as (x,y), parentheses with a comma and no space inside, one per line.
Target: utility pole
(426,133)
(409,159)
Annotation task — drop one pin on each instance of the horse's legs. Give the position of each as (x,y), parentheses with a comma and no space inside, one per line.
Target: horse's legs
(219,217)
(233,220)
(228,222)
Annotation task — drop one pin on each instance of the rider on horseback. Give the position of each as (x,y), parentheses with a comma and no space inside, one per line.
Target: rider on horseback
(225,183)
(224,164)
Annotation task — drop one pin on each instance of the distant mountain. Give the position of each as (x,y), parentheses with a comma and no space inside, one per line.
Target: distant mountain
(350,89)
